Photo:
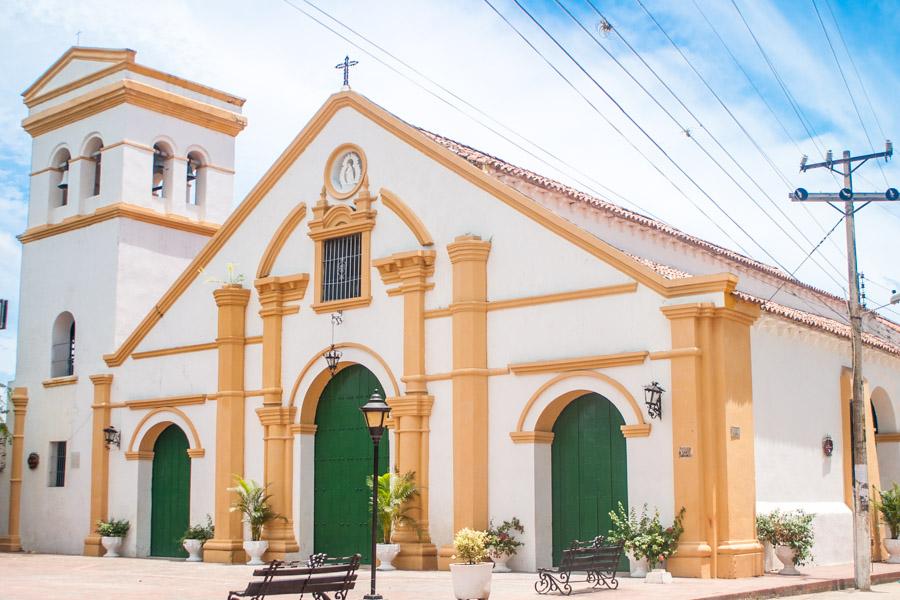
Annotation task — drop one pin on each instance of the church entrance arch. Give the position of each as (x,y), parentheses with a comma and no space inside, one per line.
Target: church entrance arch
(589,470)
(343,460)
(170,492)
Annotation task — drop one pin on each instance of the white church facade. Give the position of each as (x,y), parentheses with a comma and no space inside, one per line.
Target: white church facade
(511,322)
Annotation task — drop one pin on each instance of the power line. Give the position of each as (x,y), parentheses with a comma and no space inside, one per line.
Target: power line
(616,129)
(456,108)
(647,135)
(694,139)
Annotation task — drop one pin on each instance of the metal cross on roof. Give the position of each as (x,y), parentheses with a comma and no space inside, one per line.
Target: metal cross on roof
(346,67)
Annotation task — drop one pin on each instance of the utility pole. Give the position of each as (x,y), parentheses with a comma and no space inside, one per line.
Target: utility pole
(862,545)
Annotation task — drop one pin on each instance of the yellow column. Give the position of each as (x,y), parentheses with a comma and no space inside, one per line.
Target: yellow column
(278,441)
(99,463)
(713,438)
(469,255)
(411,412)
(11,542)
(227,546)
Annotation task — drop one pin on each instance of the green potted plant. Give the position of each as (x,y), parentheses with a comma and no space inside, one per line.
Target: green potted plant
(194,538)
(253,503)
(112,532)
(394,491)
(502,544)
(625,528)
(471,577)
(888,504)
(646,542)
(791,533)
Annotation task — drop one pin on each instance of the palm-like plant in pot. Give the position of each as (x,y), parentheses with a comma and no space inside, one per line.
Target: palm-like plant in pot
(394,493)
(889,506)
(253,503)
(472,576)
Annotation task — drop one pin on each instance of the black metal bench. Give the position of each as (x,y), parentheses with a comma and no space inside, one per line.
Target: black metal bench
(596,558)
(318,576)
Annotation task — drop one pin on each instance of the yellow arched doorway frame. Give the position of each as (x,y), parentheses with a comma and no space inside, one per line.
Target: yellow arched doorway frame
(145,447)
(543,425)
(310,401)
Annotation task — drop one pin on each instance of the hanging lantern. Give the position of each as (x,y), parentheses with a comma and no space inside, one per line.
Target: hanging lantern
(333,356)
(653,399)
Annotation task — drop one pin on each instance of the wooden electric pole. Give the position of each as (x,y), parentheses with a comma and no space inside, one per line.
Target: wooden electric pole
(862,545)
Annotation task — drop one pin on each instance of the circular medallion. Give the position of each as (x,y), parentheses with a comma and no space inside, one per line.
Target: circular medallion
(345,171)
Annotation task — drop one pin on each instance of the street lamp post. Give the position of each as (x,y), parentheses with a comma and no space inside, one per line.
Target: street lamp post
(375,411)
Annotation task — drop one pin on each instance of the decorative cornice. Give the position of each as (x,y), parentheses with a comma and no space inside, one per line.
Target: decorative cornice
(118,211)
(139,455)
(304,429)
(135,93)
(60,381)
(276,415)
(637,430)
(409,269)
(584,363)
(274,291)
(532,437)
(468,247)
(102,379)
(410,405)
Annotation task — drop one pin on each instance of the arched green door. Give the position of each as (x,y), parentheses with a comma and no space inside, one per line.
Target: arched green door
(343,460)
(590,475)
(170,493)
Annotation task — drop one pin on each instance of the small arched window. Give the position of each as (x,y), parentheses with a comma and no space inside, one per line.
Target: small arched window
(59,178)
(162,162)
(91,172)
(196,179)
(62,351)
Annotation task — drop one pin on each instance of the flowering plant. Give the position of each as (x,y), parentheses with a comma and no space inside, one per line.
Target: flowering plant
(500,539)
(470,545)
(790,528)
(232,277)
(645,536)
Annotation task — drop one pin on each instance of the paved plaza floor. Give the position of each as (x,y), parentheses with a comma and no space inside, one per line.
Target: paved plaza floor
(58,577)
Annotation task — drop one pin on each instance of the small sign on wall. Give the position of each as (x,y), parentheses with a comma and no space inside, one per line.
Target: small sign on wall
(685,452)
(735,433)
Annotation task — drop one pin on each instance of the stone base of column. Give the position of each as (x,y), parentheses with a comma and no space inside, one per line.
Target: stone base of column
(694,559)
(278,549)
(445,557)
(10,543)
(417,556)
(740,559)
(92,546)
(224,551)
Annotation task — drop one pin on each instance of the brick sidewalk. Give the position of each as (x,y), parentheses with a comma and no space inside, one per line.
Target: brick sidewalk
(58,577)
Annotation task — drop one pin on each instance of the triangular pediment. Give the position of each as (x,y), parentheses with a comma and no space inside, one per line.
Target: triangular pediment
(76,64)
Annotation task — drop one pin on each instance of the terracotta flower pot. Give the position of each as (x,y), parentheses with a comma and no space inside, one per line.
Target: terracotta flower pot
(471,581)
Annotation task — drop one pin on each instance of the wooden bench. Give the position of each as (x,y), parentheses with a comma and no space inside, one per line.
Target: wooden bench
(318,576)
(597,558)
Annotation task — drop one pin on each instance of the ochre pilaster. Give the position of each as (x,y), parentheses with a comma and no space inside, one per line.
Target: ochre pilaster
(411,412)
(227,545)
(469,256)
(278,442)
(99,462)
(713,448)
(11,542)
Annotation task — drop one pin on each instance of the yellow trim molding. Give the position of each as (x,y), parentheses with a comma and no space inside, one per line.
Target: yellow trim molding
(135,93)
(362,176)
(121,59)
(393,202)
(284,231)
(622,359)
(99,461)
(545,217)
(532,437)
(59,381)
(887,437)
(168,401)
(675,353)
(11,542)
(115,211)
(174,350)
(149,437)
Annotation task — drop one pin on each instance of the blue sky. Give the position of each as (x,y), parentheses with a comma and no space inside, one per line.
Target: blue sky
(282,63)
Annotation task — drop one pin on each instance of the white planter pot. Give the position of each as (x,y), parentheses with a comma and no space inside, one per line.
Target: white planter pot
(658,576)
(112,545)
(637,567)
(893,548)
(471,581)
(193,547)
(500,563)
(255,550)
(386,554)
(786,555)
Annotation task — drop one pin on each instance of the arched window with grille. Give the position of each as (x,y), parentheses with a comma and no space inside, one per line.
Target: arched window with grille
(62,350)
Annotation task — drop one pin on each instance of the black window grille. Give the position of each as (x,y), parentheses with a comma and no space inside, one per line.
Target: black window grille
(57,464)
(341,258)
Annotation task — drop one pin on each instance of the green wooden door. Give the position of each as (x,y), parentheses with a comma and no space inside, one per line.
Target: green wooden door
(589,474)
(343,460)
(170,492)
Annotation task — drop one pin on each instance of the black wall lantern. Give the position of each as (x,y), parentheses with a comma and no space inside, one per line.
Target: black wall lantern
(653,398)
(333,356)
(112,436)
